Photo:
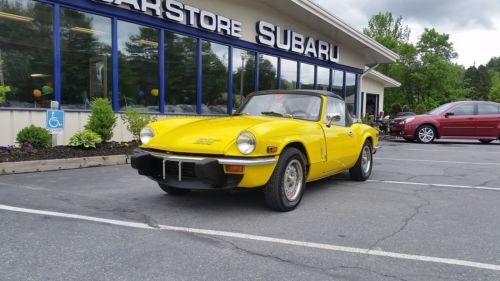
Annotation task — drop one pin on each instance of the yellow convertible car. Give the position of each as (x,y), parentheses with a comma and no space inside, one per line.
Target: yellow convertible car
(278,140)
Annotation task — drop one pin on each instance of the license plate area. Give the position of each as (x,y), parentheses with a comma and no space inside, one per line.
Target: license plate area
(178,170)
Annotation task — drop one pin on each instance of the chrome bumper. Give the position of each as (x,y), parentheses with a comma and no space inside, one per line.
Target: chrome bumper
(222,161)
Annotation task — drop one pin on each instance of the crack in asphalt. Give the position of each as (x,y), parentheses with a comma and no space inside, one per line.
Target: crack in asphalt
(406,220)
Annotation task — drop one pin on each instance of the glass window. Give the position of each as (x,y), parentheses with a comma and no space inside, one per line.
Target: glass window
(243,75)
(338,82)
(267,72)
(487,109)
(180,73)
(26,54)
(215,78)
(86,64)
(323,79)
(138,67)
(335,106)
(464,109)
(288,74)
(350,92)
(306,76)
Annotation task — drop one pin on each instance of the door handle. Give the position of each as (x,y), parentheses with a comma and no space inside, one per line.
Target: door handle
(350,133)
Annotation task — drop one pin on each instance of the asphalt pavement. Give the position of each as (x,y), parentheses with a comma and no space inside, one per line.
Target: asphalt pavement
(429,212)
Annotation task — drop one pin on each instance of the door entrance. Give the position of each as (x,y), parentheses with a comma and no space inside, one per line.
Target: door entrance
(371,104)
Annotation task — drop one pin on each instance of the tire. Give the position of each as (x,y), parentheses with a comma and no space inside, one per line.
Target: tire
(425,134)
(485,141)
(173,191)
(363,167)
(291,165)
(409,139)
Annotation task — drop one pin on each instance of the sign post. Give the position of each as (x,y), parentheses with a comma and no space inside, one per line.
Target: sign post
(54,121)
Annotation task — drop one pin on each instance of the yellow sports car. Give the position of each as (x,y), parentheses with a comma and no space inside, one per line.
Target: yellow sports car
(278,140)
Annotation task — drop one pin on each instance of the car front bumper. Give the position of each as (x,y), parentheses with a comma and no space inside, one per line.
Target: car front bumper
(193,172)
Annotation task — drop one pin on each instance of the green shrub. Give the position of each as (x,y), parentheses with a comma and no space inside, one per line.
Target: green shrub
(102,120)
(420,109)
(405,108)
(395,108)
(38,137)
(85,139)
(135,121)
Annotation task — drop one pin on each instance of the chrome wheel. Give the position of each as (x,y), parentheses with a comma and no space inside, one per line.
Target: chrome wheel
(366,159)
(426,134)
(293,179)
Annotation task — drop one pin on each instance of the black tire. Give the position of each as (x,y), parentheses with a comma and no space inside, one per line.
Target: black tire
(485,141)
(425,134)
(361,172)
(409,139)
(173,190)
(275,190)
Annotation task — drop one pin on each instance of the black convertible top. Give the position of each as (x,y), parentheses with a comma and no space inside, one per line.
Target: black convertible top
(297,91)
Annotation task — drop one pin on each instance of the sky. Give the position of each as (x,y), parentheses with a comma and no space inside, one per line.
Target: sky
(473,25)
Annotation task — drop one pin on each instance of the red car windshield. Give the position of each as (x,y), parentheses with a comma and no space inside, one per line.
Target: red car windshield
(440,110)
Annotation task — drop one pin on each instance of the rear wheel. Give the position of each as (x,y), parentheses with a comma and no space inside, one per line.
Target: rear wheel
(173,190)
(426,134)
(284,190)
(485,141)
(363,167)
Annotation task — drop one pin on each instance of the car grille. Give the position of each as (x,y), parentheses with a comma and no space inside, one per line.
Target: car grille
(187,171)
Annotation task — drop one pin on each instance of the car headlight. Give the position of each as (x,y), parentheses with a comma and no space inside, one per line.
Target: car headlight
(246,142)
(146,135)
(408,120)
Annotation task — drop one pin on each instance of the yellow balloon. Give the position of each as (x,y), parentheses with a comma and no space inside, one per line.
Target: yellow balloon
(155,92)
(37,93)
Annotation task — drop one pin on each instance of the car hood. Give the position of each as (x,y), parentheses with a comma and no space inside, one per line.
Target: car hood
(203,135)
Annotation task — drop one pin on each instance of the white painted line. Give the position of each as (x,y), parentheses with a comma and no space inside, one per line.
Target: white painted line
(237,235)
(447,150)
(436,161)
(438,185)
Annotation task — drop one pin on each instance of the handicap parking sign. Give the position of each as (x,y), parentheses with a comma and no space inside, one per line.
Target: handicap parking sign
(55,121)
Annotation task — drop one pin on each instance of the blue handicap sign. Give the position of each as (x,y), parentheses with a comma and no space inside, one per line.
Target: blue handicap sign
(55,120)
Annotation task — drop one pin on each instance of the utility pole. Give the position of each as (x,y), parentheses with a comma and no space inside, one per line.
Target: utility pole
(2,81)
(242,79)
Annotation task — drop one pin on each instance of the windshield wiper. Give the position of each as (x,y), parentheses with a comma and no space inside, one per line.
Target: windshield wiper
(272,113)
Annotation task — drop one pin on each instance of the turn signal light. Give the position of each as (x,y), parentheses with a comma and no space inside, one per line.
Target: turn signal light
(272,149)
(235,169)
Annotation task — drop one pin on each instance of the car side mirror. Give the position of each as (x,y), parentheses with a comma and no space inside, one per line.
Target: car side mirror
(331,118)
(448,114)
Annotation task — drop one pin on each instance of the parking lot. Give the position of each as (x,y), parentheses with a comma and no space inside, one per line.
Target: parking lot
(429,212)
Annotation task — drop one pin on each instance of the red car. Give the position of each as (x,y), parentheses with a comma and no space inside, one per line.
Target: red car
(458,120)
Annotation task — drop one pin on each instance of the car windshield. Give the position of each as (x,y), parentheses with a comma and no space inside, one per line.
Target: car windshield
(440,110)
(297,106)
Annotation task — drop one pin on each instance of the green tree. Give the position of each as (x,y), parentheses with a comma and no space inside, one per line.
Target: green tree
(494,94)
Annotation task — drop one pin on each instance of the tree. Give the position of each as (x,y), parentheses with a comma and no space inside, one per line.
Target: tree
(494,94)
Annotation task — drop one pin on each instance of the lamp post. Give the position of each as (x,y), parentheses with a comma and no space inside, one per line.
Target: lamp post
(242,79)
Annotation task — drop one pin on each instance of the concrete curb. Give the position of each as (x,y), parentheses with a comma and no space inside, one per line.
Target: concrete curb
(9,168)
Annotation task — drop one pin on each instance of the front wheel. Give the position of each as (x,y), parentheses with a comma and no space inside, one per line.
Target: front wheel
(485,141)
(363,167)
(426,134)
(173,191)
(284,190)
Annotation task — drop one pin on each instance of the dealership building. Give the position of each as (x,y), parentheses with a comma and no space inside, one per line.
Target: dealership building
(170,58)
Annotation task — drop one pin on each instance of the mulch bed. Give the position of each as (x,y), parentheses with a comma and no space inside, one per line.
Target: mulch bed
(64,152)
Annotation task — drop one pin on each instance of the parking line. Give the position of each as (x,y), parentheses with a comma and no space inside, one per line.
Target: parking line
(244,236)
(437,185)
(447,150)
(435,161)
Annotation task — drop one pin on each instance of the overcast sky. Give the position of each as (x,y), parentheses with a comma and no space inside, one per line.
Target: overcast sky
(473,25)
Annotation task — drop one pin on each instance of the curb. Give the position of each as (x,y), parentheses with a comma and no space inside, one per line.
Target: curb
(9,168)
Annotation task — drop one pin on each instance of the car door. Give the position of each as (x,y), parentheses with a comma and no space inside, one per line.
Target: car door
(487,119)
(460,123)
(339,138)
